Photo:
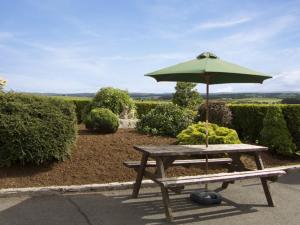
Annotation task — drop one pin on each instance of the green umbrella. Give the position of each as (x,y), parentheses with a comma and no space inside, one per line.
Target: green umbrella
(207,68)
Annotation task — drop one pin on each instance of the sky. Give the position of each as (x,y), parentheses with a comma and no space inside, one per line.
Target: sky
(72,46)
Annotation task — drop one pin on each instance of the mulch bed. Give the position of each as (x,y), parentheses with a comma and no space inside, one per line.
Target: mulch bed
(97,158)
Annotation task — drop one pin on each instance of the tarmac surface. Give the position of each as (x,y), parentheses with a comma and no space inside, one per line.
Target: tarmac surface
(243,203)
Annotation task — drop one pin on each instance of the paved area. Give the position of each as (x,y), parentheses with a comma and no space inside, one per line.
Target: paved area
(244,204)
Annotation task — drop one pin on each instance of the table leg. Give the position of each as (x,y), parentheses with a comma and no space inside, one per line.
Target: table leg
(260,166)
(164,190)
(236,165)
(139,177)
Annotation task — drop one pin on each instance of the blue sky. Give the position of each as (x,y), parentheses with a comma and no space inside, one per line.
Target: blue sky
(80,46)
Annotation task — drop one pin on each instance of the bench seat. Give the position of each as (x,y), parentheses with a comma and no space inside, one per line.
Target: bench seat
(183,162)
(220,177)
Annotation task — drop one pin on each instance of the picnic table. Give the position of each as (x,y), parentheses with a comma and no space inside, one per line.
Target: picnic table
(166,156)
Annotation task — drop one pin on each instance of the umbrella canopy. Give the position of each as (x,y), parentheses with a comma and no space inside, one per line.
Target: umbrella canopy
(208,68)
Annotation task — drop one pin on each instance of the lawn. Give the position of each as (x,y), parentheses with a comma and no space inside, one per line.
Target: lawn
(98,158)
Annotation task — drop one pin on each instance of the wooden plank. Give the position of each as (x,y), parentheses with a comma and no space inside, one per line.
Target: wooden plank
(180,150)
(219,177)
(184,162)
(139,177)
(260,166)
(287,169)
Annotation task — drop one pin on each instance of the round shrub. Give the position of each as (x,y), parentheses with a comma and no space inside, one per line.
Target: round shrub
(196,133)
(219,113)
(165,119)
(275,133)
(35,129)
(102,120)
(114,99)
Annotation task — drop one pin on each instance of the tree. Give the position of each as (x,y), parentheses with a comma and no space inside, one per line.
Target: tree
(186,95)
(275,133)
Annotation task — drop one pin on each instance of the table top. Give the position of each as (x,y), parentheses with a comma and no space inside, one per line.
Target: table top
(181,150)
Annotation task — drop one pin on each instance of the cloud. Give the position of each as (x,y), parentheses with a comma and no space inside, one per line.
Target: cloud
(222,23)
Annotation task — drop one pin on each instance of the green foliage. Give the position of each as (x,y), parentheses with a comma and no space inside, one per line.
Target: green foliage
(196,133)
(247,120)
(102,120)
(275,133)
(219,113)
(165,119)
(35,129)
(186,95)
(114,99)
(292,117)
(143,107)
(80,104)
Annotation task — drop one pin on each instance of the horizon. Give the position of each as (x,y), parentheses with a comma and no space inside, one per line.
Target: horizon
(64,46)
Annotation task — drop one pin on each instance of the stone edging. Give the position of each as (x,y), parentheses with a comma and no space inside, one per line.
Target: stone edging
(73,188)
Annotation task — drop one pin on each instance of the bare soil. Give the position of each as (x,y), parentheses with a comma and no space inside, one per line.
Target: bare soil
(97,158)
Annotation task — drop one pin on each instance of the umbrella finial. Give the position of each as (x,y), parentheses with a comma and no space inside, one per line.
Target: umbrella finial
(207,55)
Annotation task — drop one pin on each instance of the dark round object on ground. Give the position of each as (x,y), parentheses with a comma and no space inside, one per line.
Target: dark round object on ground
(206,197)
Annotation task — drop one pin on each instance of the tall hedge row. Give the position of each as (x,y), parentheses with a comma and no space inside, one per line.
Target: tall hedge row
(143,107)
(35,129)
(247,120)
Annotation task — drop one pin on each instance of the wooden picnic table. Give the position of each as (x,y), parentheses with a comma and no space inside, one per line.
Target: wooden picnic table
(166,155)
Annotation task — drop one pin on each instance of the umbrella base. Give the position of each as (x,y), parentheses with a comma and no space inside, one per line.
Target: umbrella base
(206,197)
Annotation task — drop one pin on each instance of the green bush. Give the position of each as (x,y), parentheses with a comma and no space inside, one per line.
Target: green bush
(102,120)
(219,113)
(79,107)
(114,99)
(35,129)
(292,117)
(165,119)
(143,107)
(186,95)
(275,133)
(247,120)
(196,133)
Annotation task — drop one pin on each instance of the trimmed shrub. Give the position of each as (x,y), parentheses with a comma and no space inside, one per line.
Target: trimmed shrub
(102,120)
(247,120)
(219,113)
(196,133)
(114,99)
(275,133)
(165,119)
(143,107)
(292,117)
(35,129)
(79,107)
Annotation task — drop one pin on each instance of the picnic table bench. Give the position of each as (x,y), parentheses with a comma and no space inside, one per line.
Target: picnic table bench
(166,156)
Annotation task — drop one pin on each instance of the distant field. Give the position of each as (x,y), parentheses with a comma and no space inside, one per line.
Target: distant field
(70,98)
(255,100)
(233,101)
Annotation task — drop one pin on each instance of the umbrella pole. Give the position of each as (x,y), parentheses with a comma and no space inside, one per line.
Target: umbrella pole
(206,132)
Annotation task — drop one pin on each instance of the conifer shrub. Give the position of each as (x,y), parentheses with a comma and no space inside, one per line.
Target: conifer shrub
(196,134)
(275,133)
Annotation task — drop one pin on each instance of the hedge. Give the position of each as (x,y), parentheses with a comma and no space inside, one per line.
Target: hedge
(247,120)
(35,129)
(79,106)
(143,107)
